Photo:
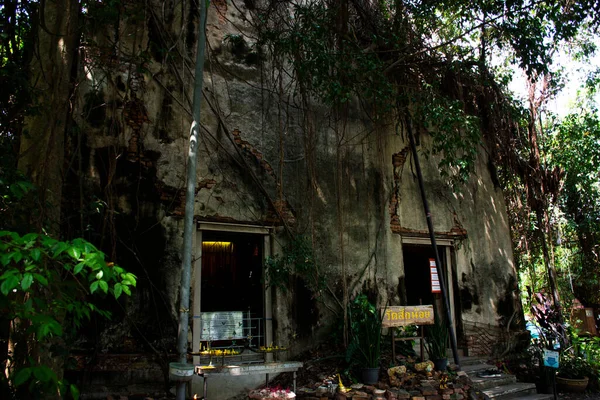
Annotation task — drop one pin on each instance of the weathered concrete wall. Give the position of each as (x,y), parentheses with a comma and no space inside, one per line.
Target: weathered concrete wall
(347,184)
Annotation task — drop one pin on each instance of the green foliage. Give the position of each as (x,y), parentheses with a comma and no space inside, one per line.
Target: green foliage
(581,359)
(333,70)
(456,135)
(297,259)
(339,68)
(437,340)
(44,285)
(365,321)
(426,59)
(573,367)
(575,150)
(16,50)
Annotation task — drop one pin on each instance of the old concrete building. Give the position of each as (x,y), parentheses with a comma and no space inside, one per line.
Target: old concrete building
(269,167)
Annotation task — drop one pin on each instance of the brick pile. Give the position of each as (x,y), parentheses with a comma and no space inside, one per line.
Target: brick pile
(436,386)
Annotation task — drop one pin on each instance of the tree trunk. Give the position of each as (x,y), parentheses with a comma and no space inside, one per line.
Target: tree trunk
(42,142)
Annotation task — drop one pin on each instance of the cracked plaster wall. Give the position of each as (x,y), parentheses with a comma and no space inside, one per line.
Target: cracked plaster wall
(259,145)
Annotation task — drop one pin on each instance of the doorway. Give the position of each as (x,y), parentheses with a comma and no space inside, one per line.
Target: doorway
(229,290)
(417,278)
(232,273)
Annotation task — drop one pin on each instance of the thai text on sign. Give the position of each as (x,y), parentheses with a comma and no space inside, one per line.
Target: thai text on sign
(407,315)
(435,279)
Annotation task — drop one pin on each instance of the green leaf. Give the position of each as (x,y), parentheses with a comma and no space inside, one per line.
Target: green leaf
(126,290)
(94,260)
(48,242)
(103,285)
(42,332)
(118,290)
(16,256)
(88,247)
(41,279)
(27,281)
(55,327)
(29,239)
(74,252)
(59,248)
(78,267)
(94,286)
(74,392)
(35,254)
(43,373)
(129,279)
(9,284)
(12,271)
(4,259)
(22,376)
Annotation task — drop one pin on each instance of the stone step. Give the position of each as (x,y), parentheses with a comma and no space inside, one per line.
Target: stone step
(511,391)
(473,369)
(538,397)
(488,383)
(464,361)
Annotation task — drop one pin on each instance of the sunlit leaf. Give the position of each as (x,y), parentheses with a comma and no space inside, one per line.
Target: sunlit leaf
(118,290)
(103,285)
(78,267)
(74,392)
(74,252)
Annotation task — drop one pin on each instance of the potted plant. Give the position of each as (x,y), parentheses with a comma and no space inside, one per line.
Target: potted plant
(547,333)
(572,373)
(437,344)
(364,348)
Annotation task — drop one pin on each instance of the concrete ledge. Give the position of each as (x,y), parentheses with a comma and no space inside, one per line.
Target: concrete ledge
(251,369)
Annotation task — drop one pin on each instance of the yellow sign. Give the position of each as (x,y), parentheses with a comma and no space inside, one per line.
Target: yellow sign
(408,315)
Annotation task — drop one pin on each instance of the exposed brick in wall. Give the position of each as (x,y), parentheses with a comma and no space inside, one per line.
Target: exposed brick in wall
(398,160)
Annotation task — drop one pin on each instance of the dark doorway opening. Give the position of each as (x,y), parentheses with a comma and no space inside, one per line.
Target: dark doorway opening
(417,278)
(232,272)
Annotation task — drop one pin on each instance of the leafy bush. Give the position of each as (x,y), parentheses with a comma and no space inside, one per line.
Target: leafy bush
(573,367)
(587,350)
(365,329)
(437,340)
(44,288)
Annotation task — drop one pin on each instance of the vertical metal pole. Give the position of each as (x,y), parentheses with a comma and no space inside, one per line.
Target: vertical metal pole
(196,300)
(188,223)
(438,264)
(268,246)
